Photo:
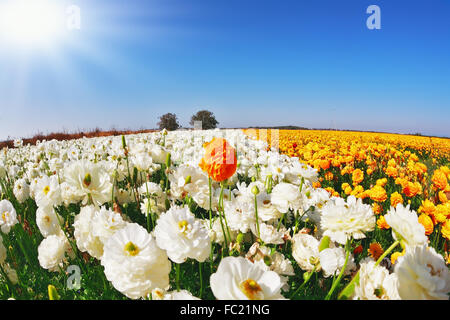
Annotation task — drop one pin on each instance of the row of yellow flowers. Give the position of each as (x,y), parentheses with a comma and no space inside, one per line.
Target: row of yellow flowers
(386,169)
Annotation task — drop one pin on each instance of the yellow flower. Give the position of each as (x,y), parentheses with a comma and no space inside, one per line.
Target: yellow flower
(376,208)
(377,193)
(442,197)
(381,182)
(439,180)
(357,177)
(427,223)
(382,224)
(395,256)
(445,229)
(396,198)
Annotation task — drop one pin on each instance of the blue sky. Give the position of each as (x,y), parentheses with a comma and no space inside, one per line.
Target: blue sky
(253,63)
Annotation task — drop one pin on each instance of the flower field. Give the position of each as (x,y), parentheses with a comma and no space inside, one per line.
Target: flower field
(226,214)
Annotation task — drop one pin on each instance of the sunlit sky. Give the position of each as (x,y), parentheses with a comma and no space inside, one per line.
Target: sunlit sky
(251,62)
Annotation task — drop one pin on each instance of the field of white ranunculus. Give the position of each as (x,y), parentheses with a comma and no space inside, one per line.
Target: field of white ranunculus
(188,215)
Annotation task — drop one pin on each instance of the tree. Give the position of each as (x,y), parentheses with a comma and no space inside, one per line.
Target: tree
(168,121)
(207,119)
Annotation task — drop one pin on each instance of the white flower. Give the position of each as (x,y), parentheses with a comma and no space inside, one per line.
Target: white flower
(422,274)
(405,224)
(105,223)
(154,198)
(51,252)
(160,294)
(158,153)
(305,250)
(133,262)
(286,196)
(268,233)
(216,232)
(240,215)
(270,260)
(182,235)
(8,216)
(85,239)
(342,219)
(238,279)
(21,190)
(187,180)
(90,180)
(47,191)
(375,282)
(48,221)
(332,260)
(267,211)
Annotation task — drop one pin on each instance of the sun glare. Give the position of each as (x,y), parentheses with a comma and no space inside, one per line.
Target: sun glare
(31,23)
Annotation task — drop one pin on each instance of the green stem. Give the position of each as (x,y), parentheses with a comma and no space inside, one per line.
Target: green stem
(348,290)
(210,202)
(221,218)
(304,282)
(177,279)
(200,270)
(257,219)
(341,274)
(387,252)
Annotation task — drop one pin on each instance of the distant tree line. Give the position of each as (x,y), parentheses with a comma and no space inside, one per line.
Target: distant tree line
(203,119)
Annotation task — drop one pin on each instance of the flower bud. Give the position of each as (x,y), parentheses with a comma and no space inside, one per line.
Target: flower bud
(52,293)
(168,160)
(240,238)
(255,190)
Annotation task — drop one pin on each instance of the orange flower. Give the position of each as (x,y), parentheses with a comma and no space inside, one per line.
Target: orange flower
(358,250)
(325,164)
(357,176)
(377,193)
(381,182)
(441,213)
(412,189)
(382,224)
(220,160)
(427,223)
(427,207)
(329,176)
(439,180)
(396,198)
(392,172)
(442,197)
(445,230)
(376,208)
(369,171)
(375,250)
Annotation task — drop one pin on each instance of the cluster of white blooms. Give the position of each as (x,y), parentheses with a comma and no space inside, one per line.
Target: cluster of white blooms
(264,205)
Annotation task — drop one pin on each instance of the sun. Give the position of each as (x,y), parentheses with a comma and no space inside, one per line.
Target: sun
(31,23)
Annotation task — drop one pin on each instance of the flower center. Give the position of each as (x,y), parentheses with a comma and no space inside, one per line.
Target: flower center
(46,190)
(251,289)
(183,226)
(379,292)
(131,249)
(5,215)
(87,180)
